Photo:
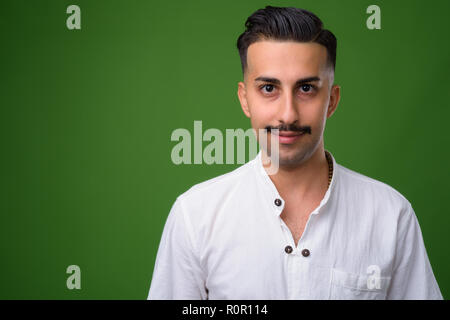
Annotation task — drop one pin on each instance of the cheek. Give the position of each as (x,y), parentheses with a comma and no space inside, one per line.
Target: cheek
(320,119)
(309,113)
(261,113)
(260,117)
(316,110)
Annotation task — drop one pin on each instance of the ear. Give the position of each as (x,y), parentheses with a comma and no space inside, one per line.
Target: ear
(242,95)
(335,96)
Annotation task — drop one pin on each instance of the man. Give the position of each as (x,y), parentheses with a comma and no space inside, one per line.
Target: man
(312,230)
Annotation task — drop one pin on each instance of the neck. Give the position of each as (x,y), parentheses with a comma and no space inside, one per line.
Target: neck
(309,178)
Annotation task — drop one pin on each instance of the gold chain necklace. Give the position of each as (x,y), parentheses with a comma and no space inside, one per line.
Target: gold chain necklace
(330,167)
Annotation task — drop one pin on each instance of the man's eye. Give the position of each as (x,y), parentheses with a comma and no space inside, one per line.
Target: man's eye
(268,88)
(307,88)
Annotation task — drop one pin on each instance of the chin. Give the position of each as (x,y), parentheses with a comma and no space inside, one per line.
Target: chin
(292,157)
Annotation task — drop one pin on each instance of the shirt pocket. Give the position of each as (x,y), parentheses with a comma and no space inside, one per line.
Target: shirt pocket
(350,286)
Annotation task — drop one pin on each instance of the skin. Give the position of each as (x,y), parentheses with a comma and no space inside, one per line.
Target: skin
(302,177)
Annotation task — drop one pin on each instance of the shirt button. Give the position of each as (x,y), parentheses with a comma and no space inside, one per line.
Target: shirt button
(305,252)
(288,249)
(277,202)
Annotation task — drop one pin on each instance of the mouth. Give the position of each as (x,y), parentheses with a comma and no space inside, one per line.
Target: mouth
(289,137)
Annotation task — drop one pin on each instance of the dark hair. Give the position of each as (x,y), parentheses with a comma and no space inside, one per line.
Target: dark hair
(276,23)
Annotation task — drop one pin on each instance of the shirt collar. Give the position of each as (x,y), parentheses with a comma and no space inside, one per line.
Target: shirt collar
(272,191)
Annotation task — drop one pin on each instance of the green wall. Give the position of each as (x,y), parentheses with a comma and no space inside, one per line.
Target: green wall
(86,117)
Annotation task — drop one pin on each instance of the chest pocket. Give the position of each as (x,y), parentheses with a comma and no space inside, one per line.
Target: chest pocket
(350,286)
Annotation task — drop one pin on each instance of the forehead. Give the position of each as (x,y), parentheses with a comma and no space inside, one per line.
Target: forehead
(286,59)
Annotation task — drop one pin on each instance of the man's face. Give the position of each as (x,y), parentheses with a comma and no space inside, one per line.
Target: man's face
(288,86)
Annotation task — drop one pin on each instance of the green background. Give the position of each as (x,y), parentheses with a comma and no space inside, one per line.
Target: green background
(86,118)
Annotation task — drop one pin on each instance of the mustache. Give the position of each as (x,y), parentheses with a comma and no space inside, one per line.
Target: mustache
(290,127)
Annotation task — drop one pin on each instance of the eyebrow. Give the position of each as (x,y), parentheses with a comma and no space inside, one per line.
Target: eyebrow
(299,82)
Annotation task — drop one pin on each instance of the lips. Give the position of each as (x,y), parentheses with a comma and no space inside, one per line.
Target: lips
(289,137)
(289,133)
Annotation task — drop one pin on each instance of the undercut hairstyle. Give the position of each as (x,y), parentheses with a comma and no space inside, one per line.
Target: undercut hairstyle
(285,24)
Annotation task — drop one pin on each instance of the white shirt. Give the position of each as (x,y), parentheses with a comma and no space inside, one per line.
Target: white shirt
(224,239)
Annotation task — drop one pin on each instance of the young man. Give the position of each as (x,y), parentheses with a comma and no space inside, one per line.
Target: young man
(312,230)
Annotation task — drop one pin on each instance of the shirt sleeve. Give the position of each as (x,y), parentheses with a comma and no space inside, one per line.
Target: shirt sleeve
(177,274)
(412,277)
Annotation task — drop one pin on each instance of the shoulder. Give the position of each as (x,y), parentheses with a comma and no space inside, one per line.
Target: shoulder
(370,190)
(214,191)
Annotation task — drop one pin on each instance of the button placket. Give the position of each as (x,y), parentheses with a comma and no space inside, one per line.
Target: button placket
(294,261)
(290,274)
(302,245)
(289,245)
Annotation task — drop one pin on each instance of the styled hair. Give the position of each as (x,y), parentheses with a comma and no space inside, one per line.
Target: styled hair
(288,23)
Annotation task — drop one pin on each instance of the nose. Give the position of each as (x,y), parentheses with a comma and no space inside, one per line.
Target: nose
(288,112)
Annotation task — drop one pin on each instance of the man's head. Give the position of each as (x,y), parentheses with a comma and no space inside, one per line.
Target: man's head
(288,62)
